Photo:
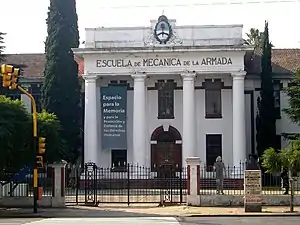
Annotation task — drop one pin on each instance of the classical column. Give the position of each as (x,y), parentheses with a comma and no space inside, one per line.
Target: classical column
(139,119)
(188,122)
(238,118)
(90,120)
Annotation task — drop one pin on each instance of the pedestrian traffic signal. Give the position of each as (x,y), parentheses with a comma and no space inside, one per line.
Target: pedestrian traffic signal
(10,76)
(42,146)
(39,162)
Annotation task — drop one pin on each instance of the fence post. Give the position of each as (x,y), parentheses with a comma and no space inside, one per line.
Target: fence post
(193,181)
(58,184)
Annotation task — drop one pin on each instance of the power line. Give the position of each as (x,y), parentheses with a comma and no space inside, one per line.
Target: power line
(225,3)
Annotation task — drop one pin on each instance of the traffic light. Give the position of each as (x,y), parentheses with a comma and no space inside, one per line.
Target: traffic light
(41,152)
(14,78)
(9,76)
(39,161)
(7,69)
(42,146)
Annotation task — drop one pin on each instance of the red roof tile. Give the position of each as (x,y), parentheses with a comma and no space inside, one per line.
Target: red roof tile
(33,64)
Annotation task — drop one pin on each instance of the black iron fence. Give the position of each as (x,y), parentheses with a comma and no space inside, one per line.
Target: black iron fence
(233,181)
(138,184)
(20,184)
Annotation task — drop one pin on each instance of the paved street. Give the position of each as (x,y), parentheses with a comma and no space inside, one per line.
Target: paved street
(156,220)
(99,221)
(17,221)
(239,221)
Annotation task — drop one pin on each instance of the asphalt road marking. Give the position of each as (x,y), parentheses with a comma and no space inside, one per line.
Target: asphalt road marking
(108,221)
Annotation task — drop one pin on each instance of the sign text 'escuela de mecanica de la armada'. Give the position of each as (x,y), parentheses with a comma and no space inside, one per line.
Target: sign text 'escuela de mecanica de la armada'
(158,62)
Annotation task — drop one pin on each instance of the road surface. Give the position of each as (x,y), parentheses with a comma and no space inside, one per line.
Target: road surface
(156,220)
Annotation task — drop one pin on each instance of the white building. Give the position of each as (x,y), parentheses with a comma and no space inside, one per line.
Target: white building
(158,94)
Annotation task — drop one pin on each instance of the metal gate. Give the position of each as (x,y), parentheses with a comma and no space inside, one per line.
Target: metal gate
(128,184)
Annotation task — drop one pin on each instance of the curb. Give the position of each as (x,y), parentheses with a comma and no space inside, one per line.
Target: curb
(247,215)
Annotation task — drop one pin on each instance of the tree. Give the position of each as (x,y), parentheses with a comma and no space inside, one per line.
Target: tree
(288,158)
(50,128)
(266,117)
(2,47)
(61,89)
(14,136)
(255,38)
(293,93)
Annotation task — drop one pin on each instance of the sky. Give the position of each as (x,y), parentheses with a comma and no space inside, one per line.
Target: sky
(24,21)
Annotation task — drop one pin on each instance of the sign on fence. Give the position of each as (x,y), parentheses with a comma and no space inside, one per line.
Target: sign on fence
(252,191)
(114,126)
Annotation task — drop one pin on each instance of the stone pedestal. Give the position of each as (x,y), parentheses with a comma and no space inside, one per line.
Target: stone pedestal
(193,181)
(252,190)
(58,184)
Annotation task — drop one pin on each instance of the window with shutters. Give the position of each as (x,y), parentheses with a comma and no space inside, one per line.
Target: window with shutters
(213,96)
(165,99)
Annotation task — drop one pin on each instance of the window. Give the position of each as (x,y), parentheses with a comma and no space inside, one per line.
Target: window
(35,90)
(213,149)
(118,160)
(213,95)
(13,94)
(123,81)
(165,99)
(277,87)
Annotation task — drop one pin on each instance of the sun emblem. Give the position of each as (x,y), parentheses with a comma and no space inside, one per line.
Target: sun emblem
(163,30)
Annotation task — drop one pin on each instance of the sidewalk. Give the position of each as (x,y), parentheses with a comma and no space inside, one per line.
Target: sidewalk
(184,211)
(142,211)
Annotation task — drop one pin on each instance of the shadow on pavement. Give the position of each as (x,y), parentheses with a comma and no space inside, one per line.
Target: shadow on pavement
(69,213)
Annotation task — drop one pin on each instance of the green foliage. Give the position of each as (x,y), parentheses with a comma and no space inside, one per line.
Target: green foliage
(61,89)
(290,136)
(288,158)
(50,128)
(14,135)
(266,117)
(293,93)
(2,47)
(255,38)
(271,161)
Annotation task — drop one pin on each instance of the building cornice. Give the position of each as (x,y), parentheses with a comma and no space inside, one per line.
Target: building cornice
(156,49)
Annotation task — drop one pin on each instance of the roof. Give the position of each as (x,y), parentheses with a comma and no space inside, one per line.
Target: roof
(285,61)
(33,64)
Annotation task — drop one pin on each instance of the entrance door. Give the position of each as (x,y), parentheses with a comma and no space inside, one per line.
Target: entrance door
(166,156)
(166,153)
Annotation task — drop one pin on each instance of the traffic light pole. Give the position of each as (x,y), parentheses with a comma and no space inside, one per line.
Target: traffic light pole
(35,144)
